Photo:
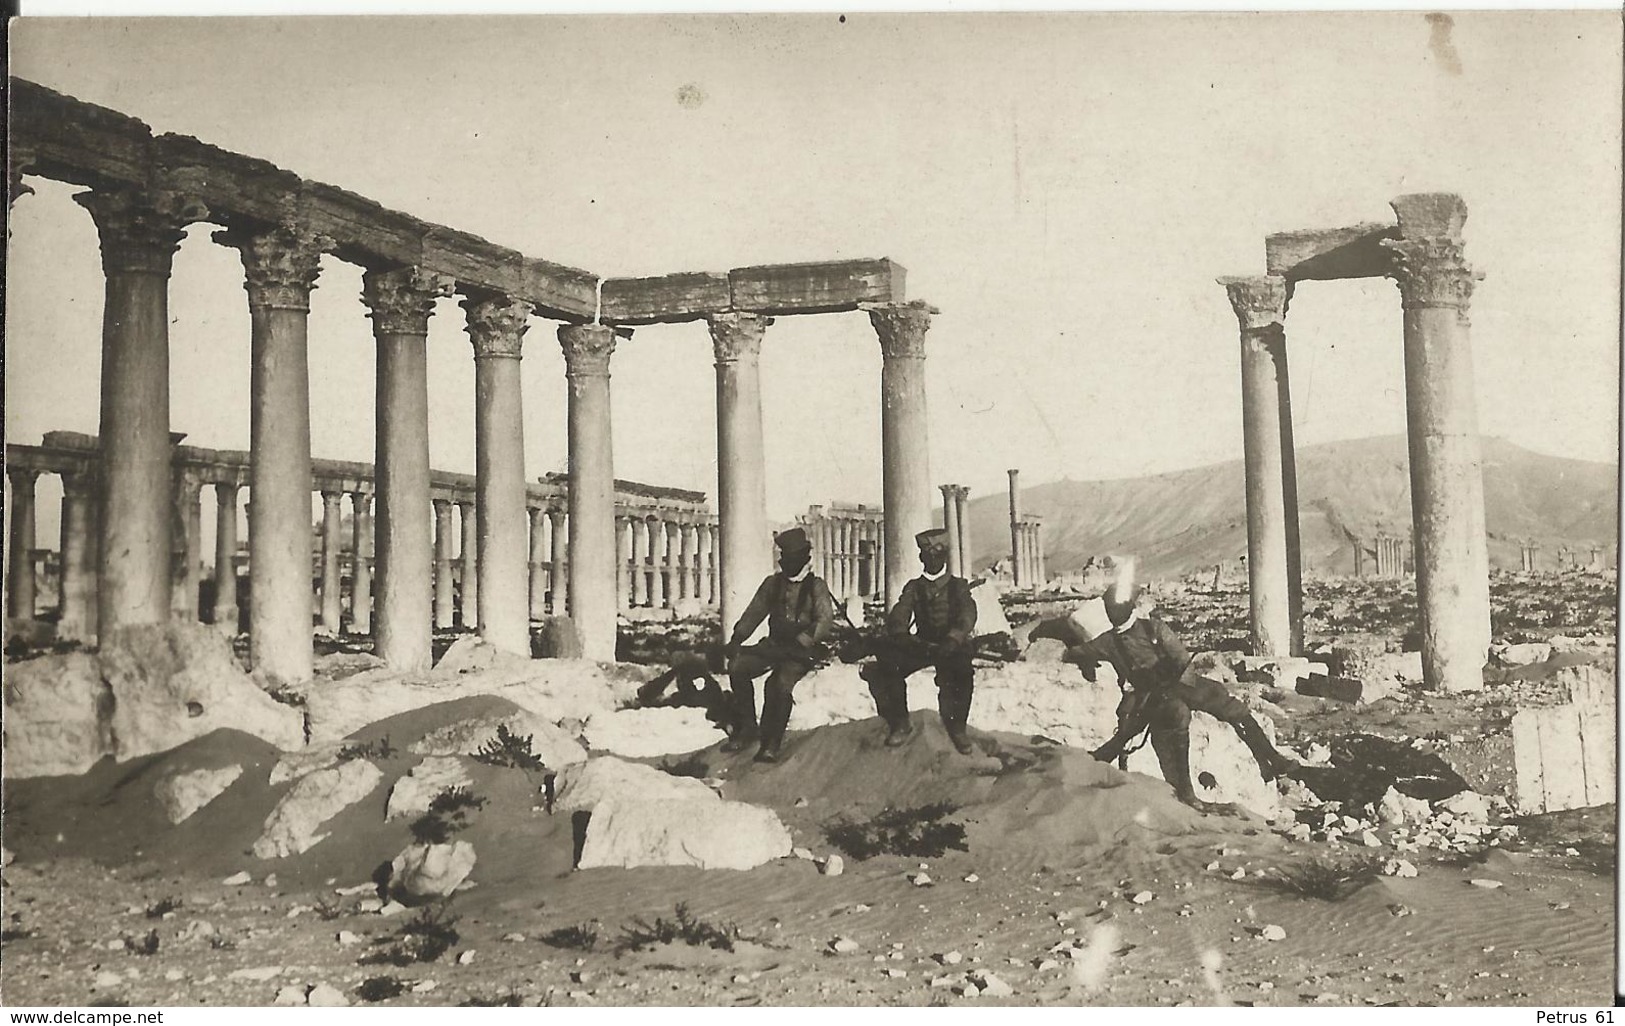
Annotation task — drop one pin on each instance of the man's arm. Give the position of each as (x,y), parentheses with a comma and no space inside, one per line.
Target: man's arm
(1087,657)
(823,612)
(760,605)
(964,626)
(901,617)
(1173,650)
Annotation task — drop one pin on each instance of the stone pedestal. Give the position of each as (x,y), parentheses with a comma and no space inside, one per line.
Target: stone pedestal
(332,554)
(20,545)
(746,536)
(445,588)
(1260,306)
(361,563)
(401,301)
(140,232)
(587,349)
(77,620)
(1447,484)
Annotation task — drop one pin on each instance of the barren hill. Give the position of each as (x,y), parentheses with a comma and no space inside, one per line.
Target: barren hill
(1185,520)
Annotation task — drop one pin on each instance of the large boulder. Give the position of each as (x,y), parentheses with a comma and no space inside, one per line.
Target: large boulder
(555,746)
(292,826)
(425,871)
(59,716)
(150,688)
(413,792)
(643,733)
(1222,768)
(707,834)
(182,794)
(586,785)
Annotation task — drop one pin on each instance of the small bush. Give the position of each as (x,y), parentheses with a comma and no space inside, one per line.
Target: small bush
(510,750)
(380,988)
(684,928)
(580,937)
(1325,879)
(147,945)
(379,749)
(448,813)
(916,833)
(159,909)
(423,938)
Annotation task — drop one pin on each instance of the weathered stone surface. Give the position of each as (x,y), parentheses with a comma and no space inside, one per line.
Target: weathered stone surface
(58,716)
(1044,650)
(294,765)
(1523,655)
(708,834)
(1467,805)
(641,733)
(555,746)
(424,871)
(1396,808)
(311,801)
(413,792)
(606,778)
(990,618)
(184,793)
(1222,768)
(557,638)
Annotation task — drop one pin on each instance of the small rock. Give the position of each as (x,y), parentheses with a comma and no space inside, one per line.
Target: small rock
(346,938)
(804,854)
(1046,964)
(801,803)
(843,945)
(1239,874)
(393,908)
(992,986)
(105,979)
(238,879)
(1142,898)
(1272,933)
(270,879)
(920,880)
(833,866)
(350,892)
(1399,867)
(258,974)
(950,958)
(514,938)
(896,973)
(325,995)
(464,958)
(1487,884)
(424,986)
(1266,986)
(973,878)
(290,994)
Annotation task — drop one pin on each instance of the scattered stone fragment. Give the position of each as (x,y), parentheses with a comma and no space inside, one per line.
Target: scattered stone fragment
(804,854)
(1370,839)
(843,945)
(424,986)
(991,986)
(393,908)
(919,880)
(1272,932)
(895,973)
(950,958)
(325,995)
(1399,867)
(350,892)
(833,866)
(464,958)
(347,939)
(431,870)
(290,994)
(1142,898)
(238,879)
(514,938)
(1487,884)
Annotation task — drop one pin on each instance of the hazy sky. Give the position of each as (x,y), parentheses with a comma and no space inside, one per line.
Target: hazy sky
(1064,187)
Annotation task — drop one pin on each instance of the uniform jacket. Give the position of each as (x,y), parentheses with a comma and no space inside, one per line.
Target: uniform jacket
(1148,655)
(935,609)
(797,612)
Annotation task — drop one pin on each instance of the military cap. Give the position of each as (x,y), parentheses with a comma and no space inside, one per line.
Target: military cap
(793,540)
(936,538)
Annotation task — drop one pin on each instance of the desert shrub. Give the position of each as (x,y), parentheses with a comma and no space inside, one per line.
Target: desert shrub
(162,907)
(685,929)
(580,937)
(1325,879)
(147,945)
(510,750)
(918,832)
(380,988)
(448,813)
(423,938)
(379,749)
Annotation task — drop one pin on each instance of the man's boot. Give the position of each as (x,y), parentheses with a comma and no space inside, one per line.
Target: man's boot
(901,727)
(744,717)
(949,707)
(775,720)
(1271,763)
(1174,756)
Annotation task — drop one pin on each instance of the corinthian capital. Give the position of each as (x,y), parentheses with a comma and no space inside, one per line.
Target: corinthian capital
(587,348)
(901,328)
(140,229)
(737,335)
(1259,302)
(280,264)
(1428,261)
(496,325)
(400,300)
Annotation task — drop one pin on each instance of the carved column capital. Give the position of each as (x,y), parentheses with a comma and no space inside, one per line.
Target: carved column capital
(1428,261)
(556,516)
(140,229)
(496,325)
(280,264)
(360,503)
(400,300)
(22,478)
(736,336)
(331,497)
(587,349)
(901,328)
(1259,302)
(79,484)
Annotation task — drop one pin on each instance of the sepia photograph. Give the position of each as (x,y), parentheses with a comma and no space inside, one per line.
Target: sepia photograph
(828,509)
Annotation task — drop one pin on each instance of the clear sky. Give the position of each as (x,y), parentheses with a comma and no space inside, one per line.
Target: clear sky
(1064,187)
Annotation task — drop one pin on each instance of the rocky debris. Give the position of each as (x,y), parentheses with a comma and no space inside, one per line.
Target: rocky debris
(1142,898)
(238,879)
(293,765)
(556,747)
(1044,650)
(182,794)
(1526,654)
(424,871)
(843,945)
(1396,808)
(708,833)
(1222,768)
(644,733)
(949,958)
(325,995)
(990,985)
(413,792)
(606,778)
(834,865)
(289,994)
(311,801)
(1402,868)
(1487,884)
(1467,805)
(1272,932)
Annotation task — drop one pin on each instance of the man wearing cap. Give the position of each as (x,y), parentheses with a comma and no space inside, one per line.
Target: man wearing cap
(942,613)
(1159,692)
(800,615)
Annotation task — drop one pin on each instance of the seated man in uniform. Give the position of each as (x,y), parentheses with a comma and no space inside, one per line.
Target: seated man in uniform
(1159,692)
(800,615)
(942,614)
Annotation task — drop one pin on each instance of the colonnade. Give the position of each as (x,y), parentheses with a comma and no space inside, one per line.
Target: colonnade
(667,561)
(849,548)
(956,521)
(1028,559)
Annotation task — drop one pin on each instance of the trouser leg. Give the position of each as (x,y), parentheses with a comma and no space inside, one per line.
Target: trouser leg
(955,684)
(1173,750)
(777,705)
(747,666)
(1210,696)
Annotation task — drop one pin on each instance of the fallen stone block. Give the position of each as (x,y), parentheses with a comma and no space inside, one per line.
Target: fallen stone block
(314,799)
(644,733)
(293,765)
(1523,655)
(1222,767)
(182,794)
(555,746)
(413,792)
(588,784)
(424,871)
(58,718)
(710,834)
(1341,689)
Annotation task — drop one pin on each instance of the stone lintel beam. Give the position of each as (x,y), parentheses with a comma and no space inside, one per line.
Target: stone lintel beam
(668,298)
(226,182)
(558,292)
(827,287)
(77,142)
(1330,254)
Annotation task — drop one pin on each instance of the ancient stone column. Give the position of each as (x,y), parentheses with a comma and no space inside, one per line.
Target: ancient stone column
(1260,306)
(332,555)
(688,568)
(445,596)
(76,619)
(400,302)
(950,521)
(962,519)
(186,540)
(1017,577)
(280,267)
(713,575)
(140,232)
(558,535)
(1447,482)
(1041,572)
(538,563)
(660,557)
(625,570)
(468,564)
(904,448)
(20,546)
(225,557)
(496,326)
(587,349)
(747,538)
(640,561)
(361,563)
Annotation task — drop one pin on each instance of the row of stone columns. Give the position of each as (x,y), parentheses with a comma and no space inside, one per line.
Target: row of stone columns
(955,520)
(849,550)
(1029,560)
(665,562)
(1391,556)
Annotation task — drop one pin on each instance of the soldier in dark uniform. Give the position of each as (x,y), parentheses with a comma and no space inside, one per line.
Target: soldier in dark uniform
(942,613)
(800,615)
(1159,692)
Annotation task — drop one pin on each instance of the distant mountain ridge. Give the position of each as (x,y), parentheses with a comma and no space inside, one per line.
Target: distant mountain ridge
(1190,519)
